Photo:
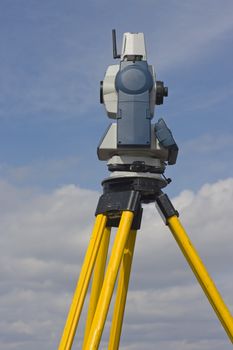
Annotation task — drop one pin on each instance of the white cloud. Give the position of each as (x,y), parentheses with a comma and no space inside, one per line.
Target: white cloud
(43,240)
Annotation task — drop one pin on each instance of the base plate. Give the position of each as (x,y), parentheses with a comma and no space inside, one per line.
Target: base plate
(148,186)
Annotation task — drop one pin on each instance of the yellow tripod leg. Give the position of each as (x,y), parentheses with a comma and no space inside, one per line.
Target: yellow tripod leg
(109,281)
(202,275)
(122,289)
(82,285)
(97,282)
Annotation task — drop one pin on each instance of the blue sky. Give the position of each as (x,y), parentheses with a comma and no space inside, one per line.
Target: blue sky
(53,55)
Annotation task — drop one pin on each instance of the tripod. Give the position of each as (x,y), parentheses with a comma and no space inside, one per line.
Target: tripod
(121,206)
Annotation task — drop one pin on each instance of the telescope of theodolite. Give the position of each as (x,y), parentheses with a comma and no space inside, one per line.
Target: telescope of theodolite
(137,153)
(129,93)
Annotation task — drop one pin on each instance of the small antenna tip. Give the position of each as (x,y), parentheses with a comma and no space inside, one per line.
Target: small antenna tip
(114,45)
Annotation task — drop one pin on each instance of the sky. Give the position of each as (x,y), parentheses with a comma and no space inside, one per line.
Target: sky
(53,55)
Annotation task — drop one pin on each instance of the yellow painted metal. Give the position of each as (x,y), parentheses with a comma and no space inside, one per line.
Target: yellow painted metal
(121,294)
(202,275)
(82,285)
(97,282)
(109,281)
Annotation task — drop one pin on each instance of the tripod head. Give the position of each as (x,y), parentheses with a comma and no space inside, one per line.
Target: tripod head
(130,93)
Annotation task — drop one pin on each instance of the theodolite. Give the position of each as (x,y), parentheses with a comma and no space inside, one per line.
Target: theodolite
(133,146)
(137,152)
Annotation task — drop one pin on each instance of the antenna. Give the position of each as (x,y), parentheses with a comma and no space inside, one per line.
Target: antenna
(114,45)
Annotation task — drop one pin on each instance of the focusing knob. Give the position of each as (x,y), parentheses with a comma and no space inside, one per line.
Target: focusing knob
(161,92)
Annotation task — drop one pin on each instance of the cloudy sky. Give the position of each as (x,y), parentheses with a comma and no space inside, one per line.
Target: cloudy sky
(53,55)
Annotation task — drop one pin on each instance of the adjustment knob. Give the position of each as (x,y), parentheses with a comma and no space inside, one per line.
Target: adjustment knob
(161,92)
(101,93)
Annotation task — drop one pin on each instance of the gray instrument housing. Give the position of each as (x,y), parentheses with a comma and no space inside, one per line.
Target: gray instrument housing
(129,93)
(133,84)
